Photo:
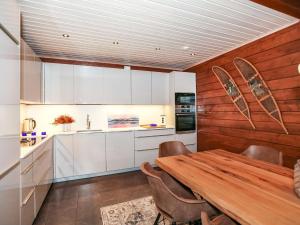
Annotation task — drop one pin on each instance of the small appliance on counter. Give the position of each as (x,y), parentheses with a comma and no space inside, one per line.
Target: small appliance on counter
(29,125)
(185,112)
(31,141)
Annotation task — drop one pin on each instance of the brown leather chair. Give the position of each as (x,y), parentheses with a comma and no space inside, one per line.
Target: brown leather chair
(264,153)
(172,200)
(219,220)
(171,148)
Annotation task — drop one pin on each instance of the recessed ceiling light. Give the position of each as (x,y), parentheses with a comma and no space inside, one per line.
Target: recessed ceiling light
(193,54)
(185,47)
(115,42)
(157,49)
(66,35)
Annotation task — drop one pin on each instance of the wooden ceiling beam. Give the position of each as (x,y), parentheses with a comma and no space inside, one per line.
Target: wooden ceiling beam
(289,7)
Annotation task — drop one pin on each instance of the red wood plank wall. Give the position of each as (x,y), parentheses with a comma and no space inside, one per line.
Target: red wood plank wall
(221,125)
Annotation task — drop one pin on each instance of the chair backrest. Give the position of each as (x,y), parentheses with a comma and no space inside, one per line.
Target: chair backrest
(264,153)
(171,148)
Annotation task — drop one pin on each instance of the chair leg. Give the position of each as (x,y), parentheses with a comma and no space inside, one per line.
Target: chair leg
(174,223)
(157,219)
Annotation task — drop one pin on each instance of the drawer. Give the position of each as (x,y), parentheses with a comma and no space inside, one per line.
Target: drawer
(187,139)
(47,146)
(41,191)
(26,162)
(145,143)
(27,182)
(158,132)
(41,165)
(145,156)
(27,210)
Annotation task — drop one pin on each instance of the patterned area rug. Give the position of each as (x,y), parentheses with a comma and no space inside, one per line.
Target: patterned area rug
(140,211)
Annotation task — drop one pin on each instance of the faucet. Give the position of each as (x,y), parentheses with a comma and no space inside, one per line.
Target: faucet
(88,122)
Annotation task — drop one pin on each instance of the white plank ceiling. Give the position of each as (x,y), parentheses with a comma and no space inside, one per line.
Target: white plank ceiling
(186,32)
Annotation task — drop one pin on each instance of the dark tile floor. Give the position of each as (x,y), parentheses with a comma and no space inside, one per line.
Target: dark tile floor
(78,202)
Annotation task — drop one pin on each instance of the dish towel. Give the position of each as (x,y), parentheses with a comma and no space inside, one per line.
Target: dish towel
(297,178)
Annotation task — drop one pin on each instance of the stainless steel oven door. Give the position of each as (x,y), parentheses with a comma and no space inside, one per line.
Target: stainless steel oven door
(185,122)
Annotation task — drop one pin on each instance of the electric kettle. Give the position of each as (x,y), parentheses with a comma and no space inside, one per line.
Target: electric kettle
(29,125)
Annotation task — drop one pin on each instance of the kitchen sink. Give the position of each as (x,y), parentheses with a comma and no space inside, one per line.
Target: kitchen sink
(87,131)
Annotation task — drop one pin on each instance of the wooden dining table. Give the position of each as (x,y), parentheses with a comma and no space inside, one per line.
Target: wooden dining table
(252,192)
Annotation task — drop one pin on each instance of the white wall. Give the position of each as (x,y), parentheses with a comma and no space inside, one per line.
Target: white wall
(45,114)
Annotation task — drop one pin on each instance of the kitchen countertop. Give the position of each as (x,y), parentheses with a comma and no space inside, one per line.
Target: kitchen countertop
(25,151)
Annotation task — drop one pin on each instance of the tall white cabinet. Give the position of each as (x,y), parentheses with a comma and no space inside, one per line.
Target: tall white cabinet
(160,88)
(141,87)
(9,113)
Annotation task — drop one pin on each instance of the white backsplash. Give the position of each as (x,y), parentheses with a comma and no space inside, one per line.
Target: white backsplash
(45,114)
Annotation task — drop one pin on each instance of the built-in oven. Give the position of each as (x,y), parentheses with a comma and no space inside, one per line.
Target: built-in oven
(185,113)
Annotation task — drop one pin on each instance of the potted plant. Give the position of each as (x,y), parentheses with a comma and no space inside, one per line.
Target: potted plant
(65,121)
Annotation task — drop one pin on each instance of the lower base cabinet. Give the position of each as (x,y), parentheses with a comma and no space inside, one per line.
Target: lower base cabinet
(142,156)
(119,150)
(27,211)
(89,153)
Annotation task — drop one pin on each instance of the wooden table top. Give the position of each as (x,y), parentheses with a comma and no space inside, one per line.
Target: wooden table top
(250,191)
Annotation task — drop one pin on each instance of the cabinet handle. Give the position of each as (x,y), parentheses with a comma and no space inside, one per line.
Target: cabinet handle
(2,175)
(27,169)
(28,197)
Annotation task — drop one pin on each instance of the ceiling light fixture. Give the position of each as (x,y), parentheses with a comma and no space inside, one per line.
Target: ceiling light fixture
(185,47)
(66,35)
(115,42)
(193,54)
(157,49)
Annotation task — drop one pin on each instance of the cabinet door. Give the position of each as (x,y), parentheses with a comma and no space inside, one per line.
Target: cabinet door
(185,82)
(119,150)
(64,162)
(116,86)
(31,73)
(141,87)
(160,88)
(89,153)
(10,17)
(10,197)
(59,83)
(88,85)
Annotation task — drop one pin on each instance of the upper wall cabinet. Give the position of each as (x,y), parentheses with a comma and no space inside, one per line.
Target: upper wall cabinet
(116,86)
(160,88)
(141,87)
(10,18)
(31,74)
(184,82)
(88,85)
(59,83)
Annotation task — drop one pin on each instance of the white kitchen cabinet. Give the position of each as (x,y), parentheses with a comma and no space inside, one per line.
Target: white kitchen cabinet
(10,18)
(88,85)
(141,87)
(116,86)
(64,156)
(184,82)
(31,75)
(120,150)
(148,155)
(10,196)
(189,140)
(89,153)
(58,83)
(160,88)
(192,148)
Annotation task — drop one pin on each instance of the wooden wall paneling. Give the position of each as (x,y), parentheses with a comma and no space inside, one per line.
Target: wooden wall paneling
(221,126)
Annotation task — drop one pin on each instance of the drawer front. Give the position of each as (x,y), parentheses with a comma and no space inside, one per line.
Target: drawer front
(187,139)
(27,211)
(26,162)
(40,194)
(27,182)
(158,132)
(41,166)
(47,146)
(145,156)
(144,143)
